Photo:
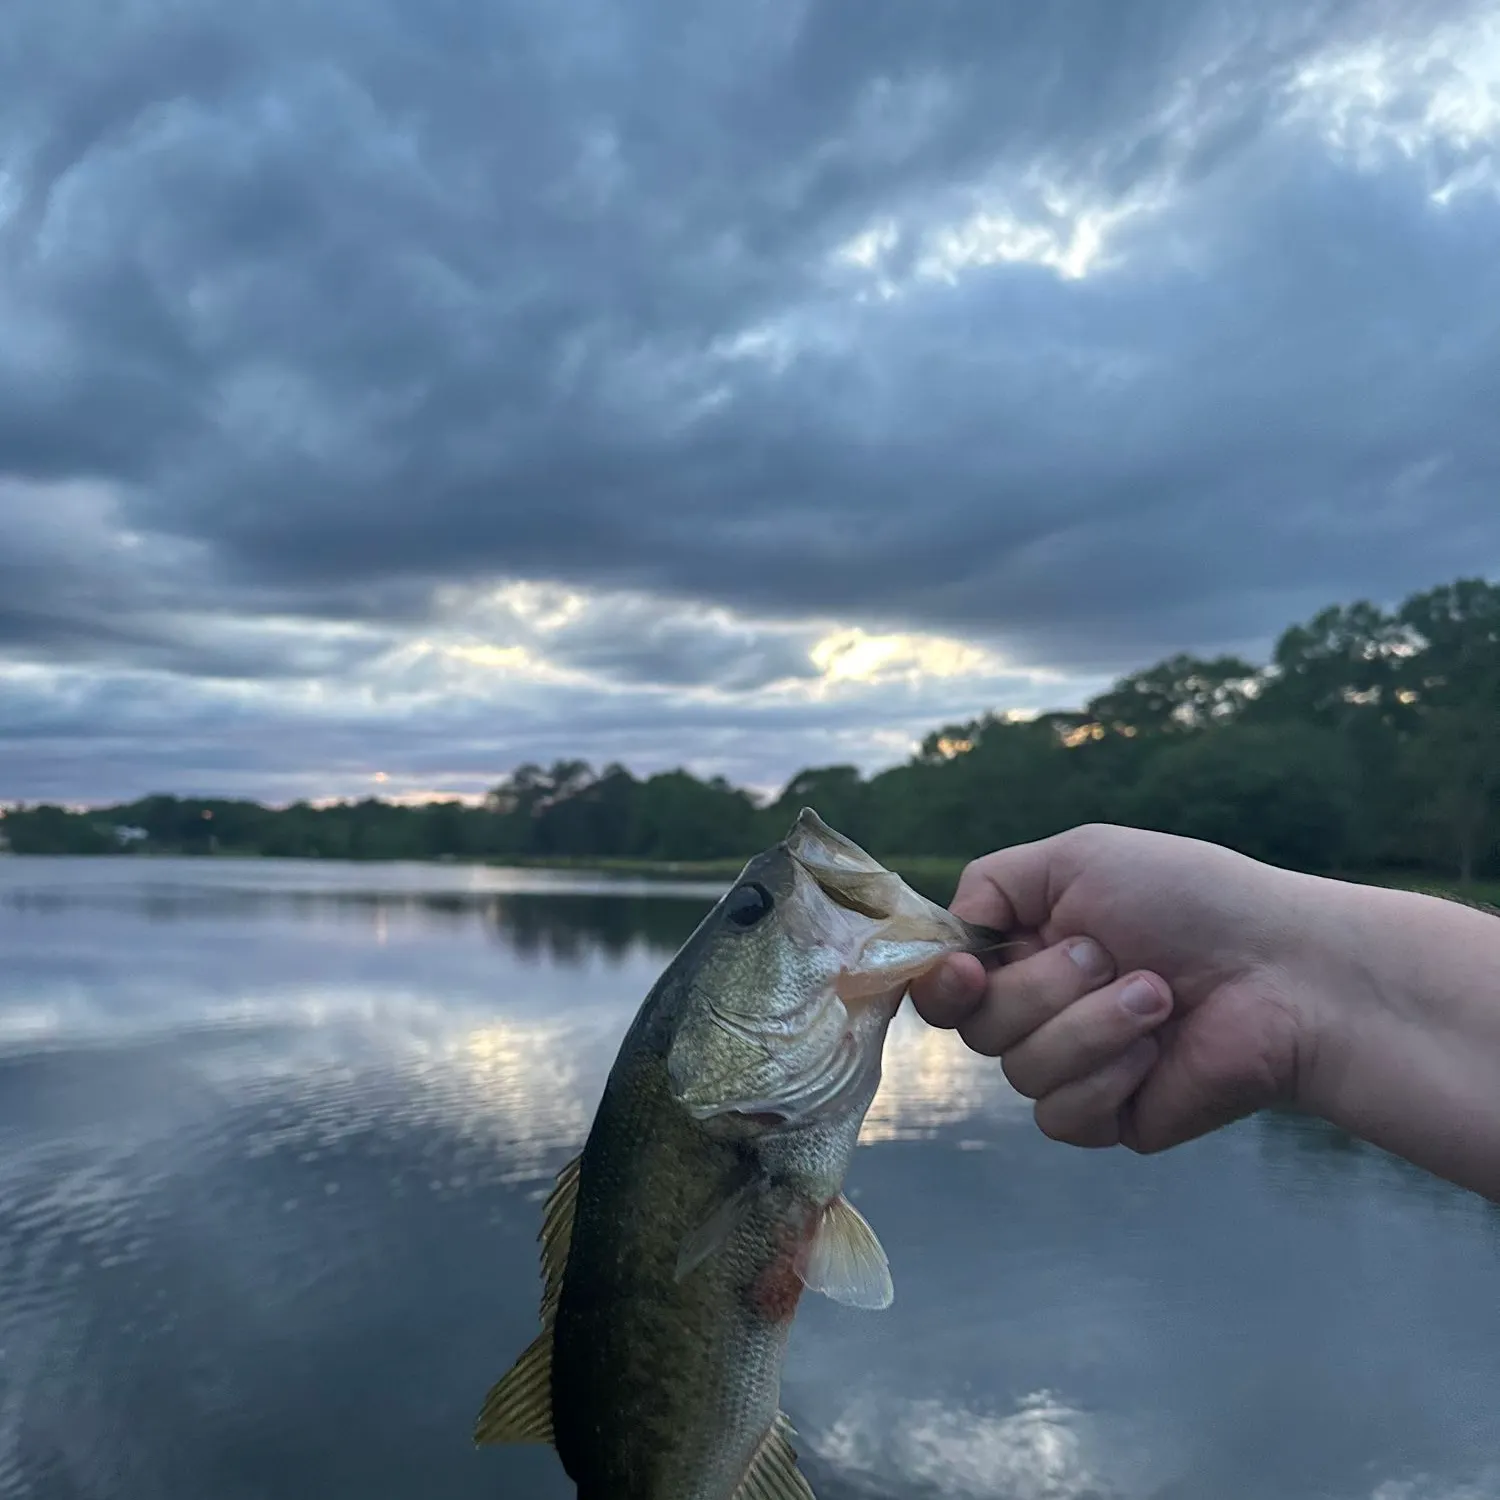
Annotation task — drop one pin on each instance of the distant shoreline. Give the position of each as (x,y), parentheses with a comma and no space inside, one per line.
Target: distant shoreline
(926,873)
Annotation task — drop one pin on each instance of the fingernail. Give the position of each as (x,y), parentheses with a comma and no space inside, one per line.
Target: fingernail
(1142,998)
(1088,955)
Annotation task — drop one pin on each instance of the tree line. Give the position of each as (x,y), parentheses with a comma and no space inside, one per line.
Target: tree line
(1369,741)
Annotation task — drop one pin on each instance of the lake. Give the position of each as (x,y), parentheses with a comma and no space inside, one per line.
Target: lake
(274,1138)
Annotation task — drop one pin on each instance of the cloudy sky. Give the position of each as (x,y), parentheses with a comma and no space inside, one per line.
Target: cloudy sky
(403,389)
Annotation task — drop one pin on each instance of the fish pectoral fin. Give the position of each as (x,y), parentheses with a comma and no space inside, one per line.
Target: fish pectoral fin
(773,1472)
(714,1232)
(844,1260)
(518,1408)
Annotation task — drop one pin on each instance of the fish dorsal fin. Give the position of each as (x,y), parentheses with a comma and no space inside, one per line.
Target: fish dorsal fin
(844,1260)
(557,1234)
(518,1407)
(773,1472)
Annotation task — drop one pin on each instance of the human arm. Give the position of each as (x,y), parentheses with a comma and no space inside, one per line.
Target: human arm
(1378,1010)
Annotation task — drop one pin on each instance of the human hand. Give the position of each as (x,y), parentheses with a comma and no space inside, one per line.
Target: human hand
(1162,987)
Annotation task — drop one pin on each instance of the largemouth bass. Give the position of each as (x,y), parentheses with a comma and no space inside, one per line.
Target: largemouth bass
(709,1193)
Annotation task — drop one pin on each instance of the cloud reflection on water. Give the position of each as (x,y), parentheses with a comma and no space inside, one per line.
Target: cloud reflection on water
(931,1082)
(526,1051)
(1485,1486)
(1044,1449)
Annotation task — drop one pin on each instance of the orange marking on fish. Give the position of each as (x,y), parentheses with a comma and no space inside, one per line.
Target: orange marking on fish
(778,1288)
(776,1292)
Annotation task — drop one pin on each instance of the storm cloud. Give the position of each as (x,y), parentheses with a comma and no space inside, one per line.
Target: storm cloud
(415,388)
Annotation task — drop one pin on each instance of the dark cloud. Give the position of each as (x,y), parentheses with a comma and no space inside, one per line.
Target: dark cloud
(323,314)
(635,640)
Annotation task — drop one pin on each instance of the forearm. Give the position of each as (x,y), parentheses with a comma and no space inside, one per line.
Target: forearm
(1407,1052)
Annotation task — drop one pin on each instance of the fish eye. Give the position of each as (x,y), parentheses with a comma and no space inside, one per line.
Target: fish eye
(745,905)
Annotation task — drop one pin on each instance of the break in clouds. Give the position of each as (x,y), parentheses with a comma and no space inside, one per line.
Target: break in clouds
(418,389)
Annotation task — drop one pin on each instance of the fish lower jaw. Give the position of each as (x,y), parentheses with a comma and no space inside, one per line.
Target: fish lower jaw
(756,1113)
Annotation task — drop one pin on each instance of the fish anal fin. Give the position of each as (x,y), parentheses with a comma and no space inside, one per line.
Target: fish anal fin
(773,1473)
(844,1260)
(518,1408)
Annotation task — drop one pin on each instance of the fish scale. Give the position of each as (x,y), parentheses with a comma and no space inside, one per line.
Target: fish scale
(662,1388)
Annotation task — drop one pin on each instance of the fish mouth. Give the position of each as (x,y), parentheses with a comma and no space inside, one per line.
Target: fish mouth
(848,876)
(857,882)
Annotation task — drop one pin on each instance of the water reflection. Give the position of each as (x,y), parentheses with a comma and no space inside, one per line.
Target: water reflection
(1043,1450)
(271,1159)
(1485,1486)
(616,926)
(1304,1156)
(930,1081)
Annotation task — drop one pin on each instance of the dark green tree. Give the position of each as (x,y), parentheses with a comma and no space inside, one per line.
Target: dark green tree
(1282,793)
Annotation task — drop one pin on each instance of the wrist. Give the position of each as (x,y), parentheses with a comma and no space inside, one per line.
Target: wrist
(1315,962)
(1404,1044)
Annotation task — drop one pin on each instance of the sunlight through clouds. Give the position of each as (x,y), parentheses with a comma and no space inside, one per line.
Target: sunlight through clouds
(549,634)
(1435,101)
(556,671)
(1072,238)
(1065,237)
(854,655)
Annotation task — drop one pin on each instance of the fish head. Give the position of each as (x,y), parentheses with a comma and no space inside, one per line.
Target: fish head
(796,974)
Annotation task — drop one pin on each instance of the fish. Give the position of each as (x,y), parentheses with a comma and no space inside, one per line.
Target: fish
(708,1194)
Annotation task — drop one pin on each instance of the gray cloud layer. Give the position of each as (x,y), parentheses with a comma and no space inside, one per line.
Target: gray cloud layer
(317,314)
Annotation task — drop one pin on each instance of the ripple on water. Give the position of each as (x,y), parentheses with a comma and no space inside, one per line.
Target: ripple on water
(247,1190)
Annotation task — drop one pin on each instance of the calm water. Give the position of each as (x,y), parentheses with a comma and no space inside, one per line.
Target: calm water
(273,1139)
